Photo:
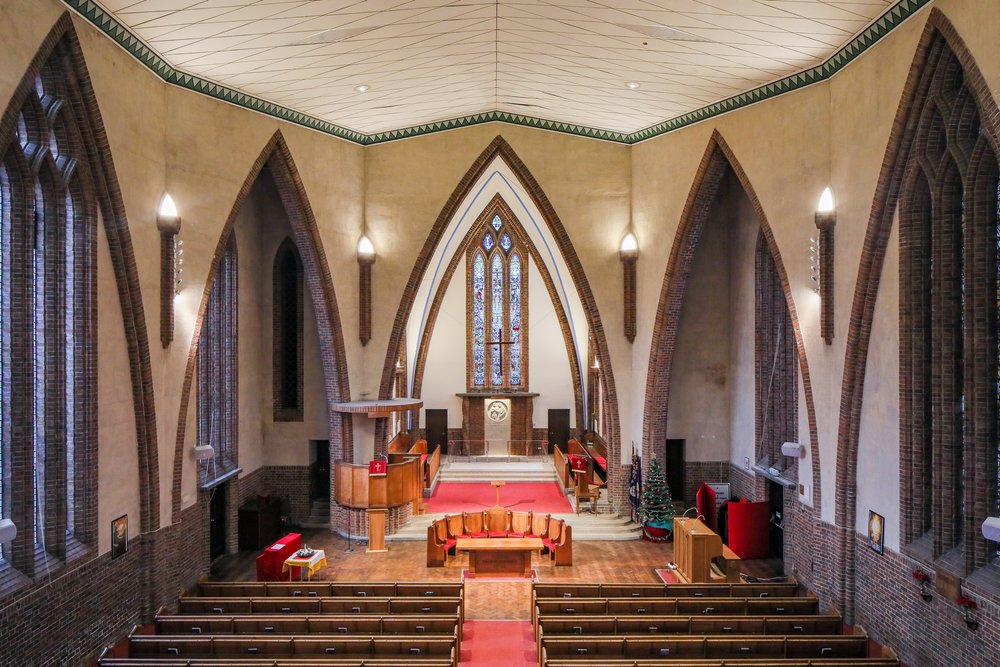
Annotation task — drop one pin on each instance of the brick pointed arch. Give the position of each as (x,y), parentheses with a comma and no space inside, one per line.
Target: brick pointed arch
(893,177)
(718,158)
(497,206)
(107,192)
(277,158)
(617,475)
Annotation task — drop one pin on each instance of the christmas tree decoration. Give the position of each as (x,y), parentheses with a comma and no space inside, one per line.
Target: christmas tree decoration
(657,507)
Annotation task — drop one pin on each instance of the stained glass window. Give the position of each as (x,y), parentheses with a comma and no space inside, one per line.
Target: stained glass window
(479,320)
(497,291)
(505,242)
(515,318)
(496,318)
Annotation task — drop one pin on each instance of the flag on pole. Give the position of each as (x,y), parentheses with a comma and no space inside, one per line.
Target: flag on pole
(635,484)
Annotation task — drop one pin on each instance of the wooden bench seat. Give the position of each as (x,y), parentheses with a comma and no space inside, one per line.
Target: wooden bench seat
(717,590)
(327,589)
(829,624)
(318,605)
(217,624)
(326,661)
(798,606)
(236,646)
(735,662)
(706,646)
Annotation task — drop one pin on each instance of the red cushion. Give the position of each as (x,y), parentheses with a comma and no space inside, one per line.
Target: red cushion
(515,534)
(534,536)
(477,535)
(550,544)
(423,458)
(497,533)
(449,543)
(603,461)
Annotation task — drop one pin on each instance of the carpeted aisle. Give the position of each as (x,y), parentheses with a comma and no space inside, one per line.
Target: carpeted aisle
(521,496)
(498,644)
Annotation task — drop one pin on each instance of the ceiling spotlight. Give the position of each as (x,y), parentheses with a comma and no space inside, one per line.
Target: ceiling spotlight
(363,88)
(632,85)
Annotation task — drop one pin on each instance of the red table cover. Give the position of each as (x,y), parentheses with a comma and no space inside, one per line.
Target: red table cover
(269,563)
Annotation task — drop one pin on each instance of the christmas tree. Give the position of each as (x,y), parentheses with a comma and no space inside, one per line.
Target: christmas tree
(657,506)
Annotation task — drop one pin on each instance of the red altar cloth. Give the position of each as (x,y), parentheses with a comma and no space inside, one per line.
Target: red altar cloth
(269,563)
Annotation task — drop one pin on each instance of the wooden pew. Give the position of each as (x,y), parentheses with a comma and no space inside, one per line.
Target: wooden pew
(326,661)
(142,646)
(828,624)
(317,605)
(711,590)
(605,661)
(705,646)
(305,625)
(798,606)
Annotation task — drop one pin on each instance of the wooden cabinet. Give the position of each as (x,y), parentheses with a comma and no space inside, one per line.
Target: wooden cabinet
(259,523)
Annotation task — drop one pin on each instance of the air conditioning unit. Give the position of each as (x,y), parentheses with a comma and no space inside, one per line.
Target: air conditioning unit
(8,531)
(204,453)
(991,529)
(793,449)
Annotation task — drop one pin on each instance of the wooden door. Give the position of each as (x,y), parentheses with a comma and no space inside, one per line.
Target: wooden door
(217,521)
(558,429)
(319,471)
(436,431)
(674,467)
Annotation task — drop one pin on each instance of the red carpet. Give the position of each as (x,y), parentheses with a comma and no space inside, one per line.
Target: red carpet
(521,496)
(498,644)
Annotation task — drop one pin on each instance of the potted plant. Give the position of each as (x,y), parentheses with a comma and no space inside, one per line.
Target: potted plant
(968,607)
(924,580)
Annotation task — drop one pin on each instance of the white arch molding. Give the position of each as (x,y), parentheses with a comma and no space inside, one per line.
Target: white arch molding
(498,179)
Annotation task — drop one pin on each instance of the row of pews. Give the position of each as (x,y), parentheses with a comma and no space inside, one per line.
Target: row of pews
(303,624)
(691,625)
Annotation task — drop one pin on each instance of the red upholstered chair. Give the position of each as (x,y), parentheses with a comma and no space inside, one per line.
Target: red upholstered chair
(520,524)
(706,506)
(539,525)
(474,524)
(554,538)
(456,527)
(497,522)
(748,528)
(447,542)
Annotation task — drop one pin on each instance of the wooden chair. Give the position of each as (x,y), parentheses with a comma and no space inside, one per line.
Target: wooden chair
(585,490)
(497,522)
(437,543)
(456,528)
(539,525)
(554,533)
(520,524)
(474,524)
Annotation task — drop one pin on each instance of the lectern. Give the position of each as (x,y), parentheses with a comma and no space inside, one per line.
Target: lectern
(695,545)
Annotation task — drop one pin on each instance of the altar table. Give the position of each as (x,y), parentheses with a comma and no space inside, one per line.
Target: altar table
(499,555)
(310,565)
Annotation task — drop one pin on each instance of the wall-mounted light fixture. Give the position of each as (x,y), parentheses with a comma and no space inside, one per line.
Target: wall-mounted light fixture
(366,257)
(826,219)
(171,264)
(628,252)
(8,531)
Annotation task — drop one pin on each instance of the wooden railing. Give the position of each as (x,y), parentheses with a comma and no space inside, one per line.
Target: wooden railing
(432,467)
(562,467)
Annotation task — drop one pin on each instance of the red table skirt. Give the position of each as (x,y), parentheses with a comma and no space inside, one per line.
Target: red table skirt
(269,563)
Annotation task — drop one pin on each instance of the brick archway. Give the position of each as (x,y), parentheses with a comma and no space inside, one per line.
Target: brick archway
(895,171)
(617,474)
(277,158)
(717,160)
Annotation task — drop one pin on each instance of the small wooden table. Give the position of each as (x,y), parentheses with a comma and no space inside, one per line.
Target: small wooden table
(310,565)
(499,555)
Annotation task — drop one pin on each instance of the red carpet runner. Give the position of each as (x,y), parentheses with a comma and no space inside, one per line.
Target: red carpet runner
(521,496)
(498,644)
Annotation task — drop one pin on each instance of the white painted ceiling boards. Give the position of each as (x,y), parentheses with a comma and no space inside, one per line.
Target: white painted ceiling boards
(431,60)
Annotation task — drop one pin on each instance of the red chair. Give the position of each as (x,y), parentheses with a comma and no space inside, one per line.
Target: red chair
(705,498)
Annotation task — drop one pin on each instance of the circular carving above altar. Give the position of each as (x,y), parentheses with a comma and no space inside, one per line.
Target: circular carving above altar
(497,410)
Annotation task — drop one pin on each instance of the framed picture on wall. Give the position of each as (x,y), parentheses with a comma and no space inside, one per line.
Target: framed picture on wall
(119,536)
(876,532)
